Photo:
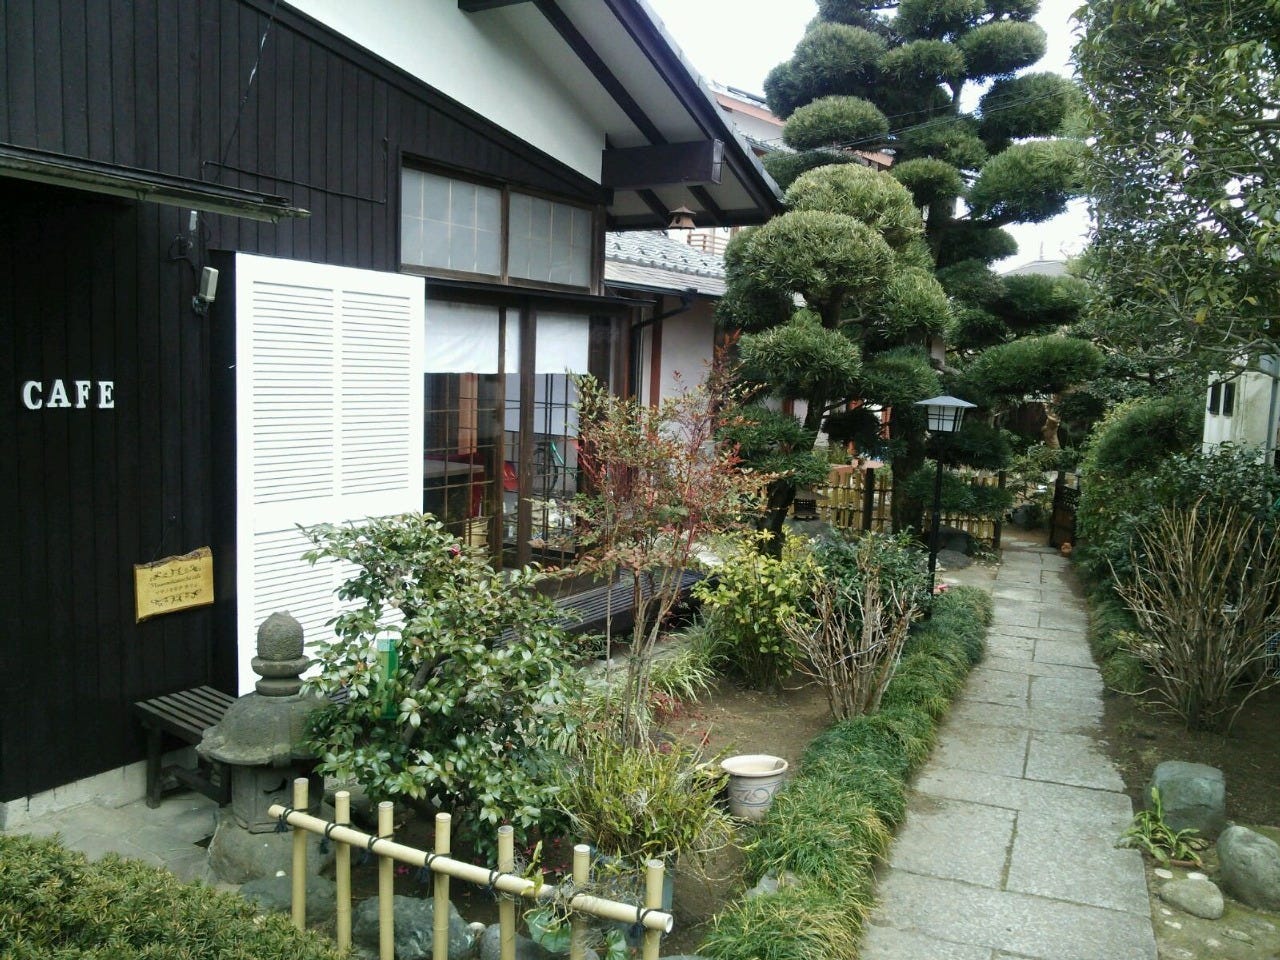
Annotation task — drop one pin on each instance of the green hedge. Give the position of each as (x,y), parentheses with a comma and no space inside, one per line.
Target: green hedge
(55,905)
(834,821)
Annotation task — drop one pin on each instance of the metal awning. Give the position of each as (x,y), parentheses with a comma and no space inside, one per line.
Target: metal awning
(41,166)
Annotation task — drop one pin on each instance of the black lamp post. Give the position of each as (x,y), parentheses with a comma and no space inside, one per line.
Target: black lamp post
(945,416)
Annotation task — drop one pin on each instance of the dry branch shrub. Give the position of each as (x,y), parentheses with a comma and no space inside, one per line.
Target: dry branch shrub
(870,591)
(1204,593)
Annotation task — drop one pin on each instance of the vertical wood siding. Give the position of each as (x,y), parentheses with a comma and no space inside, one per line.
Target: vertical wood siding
(88,289)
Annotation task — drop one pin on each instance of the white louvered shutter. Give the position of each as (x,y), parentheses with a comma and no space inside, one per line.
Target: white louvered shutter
(328,425)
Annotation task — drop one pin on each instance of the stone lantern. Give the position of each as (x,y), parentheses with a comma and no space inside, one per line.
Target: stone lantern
(260,737)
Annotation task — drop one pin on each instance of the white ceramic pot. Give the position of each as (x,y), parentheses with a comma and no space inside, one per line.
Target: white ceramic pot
(754,778)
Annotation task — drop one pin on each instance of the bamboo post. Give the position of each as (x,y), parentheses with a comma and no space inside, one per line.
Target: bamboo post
(342,871)
(868,498)
(578,922)
(652,901)
(300,857)
(506,906)
(440,919)
(386,885)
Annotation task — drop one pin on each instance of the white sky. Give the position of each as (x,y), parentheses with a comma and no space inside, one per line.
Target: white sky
(737,42)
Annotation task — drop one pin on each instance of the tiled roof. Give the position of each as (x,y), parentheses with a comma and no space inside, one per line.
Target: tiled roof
(651,260)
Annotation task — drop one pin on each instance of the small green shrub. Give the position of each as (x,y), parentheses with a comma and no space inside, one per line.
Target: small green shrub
(643,802)
(471,718)
(748,603)
(821,834)
(863,600)
(1151,834)
(796,923)
(1110,624)
(55,905)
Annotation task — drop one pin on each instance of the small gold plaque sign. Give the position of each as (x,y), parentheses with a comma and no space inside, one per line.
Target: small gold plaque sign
(174,583)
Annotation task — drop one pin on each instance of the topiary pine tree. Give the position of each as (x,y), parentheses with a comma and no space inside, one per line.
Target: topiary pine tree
(873,76)
(862,256)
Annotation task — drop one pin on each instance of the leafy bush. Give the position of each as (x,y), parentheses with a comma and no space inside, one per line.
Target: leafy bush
(469,720)
(1138,435)
(960,494)
(748,603)
(830,825)
(55,905)
(1114,509)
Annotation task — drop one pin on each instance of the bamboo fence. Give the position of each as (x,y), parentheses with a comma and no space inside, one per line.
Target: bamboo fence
(861,499)
(503,881)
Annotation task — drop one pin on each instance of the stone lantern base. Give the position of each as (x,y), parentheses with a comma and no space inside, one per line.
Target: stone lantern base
(238,856)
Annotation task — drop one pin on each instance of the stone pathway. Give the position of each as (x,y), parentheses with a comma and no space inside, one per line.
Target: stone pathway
(1007,850)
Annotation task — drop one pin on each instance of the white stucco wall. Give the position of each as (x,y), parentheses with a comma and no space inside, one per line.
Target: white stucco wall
(688,346)
(478,60)
(1250,424)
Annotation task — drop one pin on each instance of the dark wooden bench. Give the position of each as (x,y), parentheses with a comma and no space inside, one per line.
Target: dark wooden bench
(185,715)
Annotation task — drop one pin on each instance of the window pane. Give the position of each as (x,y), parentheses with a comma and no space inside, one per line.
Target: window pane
(549,241)
(463,223)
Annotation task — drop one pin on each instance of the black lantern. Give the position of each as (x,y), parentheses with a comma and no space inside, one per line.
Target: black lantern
(945,416)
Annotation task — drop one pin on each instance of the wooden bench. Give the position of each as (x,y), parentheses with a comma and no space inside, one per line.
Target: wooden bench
(185,715)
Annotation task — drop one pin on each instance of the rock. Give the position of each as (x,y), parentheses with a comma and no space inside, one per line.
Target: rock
(1162,873)
(414,920)
(275,895)
(526,949)
(1200,898)
(768,884)
(1239,935)
(1193,795)
(953,560)
(952,539)
(1250,865)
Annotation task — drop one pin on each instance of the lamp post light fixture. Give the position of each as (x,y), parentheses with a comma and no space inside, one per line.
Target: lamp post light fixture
(945,416)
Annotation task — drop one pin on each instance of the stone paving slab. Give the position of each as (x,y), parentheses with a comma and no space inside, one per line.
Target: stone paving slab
(1071,759)
(1013,647)
(1018,615)
(1067,652)
(976,746)
(1019,594)
(996,686)
(1053,858)
(1064,718)
(1086,678)
(890,943)
(1022,924)
(956,840)
(1033,633)
(1104,812)
(1084,696)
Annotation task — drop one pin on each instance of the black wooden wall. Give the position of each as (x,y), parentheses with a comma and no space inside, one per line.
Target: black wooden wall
(89,289)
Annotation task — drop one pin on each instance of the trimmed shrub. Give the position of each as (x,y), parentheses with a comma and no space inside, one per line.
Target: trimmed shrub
(55,905)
